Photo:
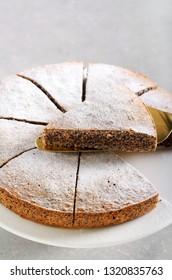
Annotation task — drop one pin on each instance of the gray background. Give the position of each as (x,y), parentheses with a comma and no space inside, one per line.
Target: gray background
(129,33)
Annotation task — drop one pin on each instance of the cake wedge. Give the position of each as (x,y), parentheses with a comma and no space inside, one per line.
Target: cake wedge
(122,124)
(110,191)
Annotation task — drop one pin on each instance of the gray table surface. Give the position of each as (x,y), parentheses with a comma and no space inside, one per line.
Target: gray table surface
(129,33)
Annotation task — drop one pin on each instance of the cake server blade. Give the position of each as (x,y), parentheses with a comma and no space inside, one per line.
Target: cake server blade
(163,123)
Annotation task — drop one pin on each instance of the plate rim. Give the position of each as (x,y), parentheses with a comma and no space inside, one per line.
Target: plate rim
(45,241)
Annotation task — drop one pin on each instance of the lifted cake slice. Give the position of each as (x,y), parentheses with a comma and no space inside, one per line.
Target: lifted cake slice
(121,122)
(110,191)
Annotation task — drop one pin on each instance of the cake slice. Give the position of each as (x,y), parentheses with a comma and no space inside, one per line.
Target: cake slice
(22,100)
(110,191)
(120,123)
(135,81)
(40,187)
(62,81)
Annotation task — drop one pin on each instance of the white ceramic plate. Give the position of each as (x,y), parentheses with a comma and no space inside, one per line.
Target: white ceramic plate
(157,167)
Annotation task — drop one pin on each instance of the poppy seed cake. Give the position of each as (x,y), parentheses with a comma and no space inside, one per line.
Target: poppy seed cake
(72,190)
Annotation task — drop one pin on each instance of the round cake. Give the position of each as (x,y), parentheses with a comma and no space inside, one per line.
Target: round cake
(68,190)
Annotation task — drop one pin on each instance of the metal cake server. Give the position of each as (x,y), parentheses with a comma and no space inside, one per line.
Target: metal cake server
(163,124)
